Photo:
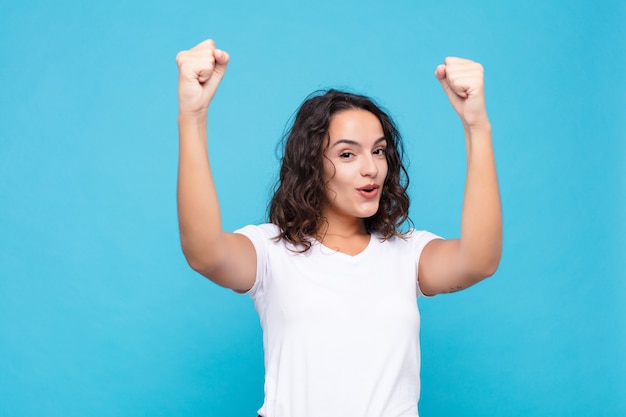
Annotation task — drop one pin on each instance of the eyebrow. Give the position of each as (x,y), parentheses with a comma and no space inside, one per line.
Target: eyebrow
(355,143)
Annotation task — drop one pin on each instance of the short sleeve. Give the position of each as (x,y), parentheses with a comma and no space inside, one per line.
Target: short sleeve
(419,240)
(260,236)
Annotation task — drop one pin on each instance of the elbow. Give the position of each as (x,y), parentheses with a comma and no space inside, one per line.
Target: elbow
(477,274)
(200,260)
(489,270)
(203,266)
(482,267)
(488,267)
(197,264)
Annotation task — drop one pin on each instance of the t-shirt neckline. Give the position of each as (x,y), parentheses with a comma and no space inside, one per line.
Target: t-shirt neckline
(329,251)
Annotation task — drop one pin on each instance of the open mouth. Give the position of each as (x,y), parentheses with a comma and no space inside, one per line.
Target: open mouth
(368,187)
(368,191)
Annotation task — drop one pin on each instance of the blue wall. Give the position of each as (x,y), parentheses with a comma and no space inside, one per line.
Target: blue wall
(99,314)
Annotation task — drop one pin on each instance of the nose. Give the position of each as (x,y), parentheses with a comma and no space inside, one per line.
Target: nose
(369,167)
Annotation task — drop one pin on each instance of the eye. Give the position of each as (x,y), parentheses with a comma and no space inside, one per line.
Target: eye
(346,155)
(380,151)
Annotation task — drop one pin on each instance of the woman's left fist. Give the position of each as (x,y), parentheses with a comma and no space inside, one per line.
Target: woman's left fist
(463,82)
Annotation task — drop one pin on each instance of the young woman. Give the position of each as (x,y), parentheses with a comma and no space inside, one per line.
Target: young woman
(333,277)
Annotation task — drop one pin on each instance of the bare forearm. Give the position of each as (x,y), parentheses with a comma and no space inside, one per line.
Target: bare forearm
(481,222)
(198,209)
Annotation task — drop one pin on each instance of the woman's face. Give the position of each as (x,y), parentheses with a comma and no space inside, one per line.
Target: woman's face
(355,166)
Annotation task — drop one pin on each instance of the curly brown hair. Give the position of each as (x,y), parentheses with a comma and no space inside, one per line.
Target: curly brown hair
(299,194)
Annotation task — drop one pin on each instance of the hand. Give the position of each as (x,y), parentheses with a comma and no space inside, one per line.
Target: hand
(200,71)
(462,80)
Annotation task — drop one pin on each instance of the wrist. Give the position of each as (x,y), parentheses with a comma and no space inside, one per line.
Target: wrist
(192,117)
(478,129)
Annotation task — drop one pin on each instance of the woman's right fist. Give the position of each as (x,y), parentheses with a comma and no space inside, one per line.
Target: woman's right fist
(200,71)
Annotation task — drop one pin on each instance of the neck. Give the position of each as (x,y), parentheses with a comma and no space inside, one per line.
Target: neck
(341,227)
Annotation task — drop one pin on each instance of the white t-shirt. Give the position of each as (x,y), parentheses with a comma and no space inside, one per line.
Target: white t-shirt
(340,332)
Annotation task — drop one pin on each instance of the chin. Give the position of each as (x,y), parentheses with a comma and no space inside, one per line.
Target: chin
(366,214)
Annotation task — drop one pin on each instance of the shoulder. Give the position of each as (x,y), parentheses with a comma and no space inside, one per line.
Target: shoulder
(265,231)
(266,237)
(415,235)
(412,240)
(411,236)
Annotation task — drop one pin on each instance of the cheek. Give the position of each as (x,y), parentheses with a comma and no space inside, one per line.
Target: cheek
(384,168)
(344,176)
(338,184)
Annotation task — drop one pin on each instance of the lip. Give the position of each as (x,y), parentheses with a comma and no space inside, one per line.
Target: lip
(369,191)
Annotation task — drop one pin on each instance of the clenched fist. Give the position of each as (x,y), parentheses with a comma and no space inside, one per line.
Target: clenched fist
(462,80)
(200,71)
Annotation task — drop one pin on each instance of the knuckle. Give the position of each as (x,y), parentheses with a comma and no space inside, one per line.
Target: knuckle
(180,57)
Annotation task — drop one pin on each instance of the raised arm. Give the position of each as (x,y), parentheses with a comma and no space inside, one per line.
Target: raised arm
(228,259)
(452,265)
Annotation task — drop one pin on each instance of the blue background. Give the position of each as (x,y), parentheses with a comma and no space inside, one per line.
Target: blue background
(101,316)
